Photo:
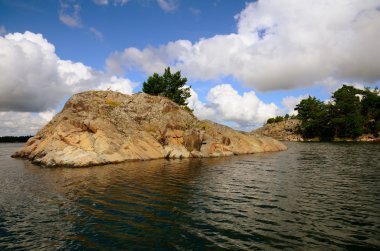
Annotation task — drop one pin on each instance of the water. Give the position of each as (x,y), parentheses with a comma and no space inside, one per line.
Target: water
(320,196)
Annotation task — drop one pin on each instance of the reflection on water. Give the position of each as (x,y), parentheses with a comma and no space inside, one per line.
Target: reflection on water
(313,196)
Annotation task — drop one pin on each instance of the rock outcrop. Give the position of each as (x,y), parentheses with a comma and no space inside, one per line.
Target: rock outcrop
(285,130)
(369,138)
(101,127)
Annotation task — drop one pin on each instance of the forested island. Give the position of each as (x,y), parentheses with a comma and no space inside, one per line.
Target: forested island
(349,114)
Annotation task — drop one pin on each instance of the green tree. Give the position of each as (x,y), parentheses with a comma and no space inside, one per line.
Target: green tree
(351,113)
(370,110)
(278,119)
(168,85)
(270,121)
(314,118)
(347,118)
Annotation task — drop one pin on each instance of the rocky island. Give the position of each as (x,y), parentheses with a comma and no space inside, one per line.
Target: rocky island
(102,127)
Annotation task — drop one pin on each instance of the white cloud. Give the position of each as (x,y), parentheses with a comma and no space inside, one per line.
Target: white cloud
(115,2)
(96,33)
(117,84)
(168,5)
(290,102)
(20,123)
(2,30)
(47,115)
(278,45)
(225,104)
(29,79)
(69,15)
(34,80)
(101,2)
(333,85)
(201,110)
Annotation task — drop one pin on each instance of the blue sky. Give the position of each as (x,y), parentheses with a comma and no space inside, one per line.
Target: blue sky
(137,23)
(245,60)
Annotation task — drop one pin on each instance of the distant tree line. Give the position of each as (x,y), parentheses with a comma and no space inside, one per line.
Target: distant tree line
(14,139)
(280,118)
(350,113)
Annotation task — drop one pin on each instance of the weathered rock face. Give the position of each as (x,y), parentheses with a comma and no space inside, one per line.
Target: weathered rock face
(100,127)
(285,130)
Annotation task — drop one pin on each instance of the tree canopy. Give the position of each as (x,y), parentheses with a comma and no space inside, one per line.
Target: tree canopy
(168,85)
(350,113)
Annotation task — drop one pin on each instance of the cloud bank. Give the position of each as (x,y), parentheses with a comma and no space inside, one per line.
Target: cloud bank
(34,81)
(278,45)
(225,104)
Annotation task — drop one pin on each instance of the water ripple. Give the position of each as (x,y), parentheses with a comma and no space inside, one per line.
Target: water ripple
(313,196)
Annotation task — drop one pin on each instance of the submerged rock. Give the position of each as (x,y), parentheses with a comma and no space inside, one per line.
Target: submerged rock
(101,127)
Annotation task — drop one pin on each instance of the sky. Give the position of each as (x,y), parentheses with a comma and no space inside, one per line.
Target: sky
(246,61)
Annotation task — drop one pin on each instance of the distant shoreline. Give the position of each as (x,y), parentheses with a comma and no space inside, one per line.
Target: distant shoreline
(288,130)
(14,139)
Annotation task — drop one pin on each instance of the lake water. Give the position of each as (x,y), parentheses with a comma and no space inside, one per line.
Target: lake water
(323,196)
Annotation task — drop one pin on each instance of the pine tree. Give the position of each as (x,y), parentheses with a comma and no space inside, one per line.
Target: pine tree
(168,85)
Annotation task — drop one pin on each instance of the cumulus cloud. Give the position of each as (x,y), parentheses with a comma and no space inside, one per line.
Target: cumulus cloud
(201,110)
(290,102)
(35,79)
(278,45)
(117,84)
(168,5)
(20,123)
(69,14)
(30,78)
(225,104)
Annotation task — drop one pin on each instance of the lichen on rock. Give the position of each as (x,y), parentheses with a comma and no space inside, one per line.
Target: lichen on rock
(101,127)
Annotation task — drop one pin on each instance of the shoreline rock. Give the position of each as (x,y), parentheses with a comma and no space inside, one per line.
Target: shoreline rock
(286,130)
(103,127)
(368,138)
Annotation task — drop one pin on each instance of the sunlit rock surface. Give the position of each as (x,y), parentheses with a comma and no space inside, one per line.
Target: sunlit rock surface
(285,130)
(101,127)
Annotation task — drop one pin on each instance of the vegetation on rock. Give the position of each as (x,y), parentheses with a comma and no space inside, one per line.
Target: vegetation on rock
(351,114)
(280,118)
(168,85)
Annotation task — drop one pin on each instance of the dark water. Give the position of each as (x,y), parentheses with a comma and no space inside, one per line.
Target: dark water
(313,196)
